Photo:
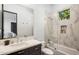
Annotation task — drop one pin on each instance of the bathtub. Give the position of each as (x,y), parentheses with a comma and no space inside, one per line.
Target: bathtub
(63,50)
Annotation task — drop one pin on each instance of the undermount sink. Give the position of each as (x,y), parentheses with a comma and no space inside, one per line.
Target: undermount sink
(19,44)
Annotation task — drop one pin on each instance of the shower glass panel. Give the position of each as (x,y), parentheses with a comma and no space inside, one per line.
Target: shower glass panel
(10,24)
(51,33)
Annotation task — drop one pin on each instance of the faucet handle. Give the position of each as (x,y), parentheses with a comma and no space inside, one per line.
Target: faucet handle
(6,42)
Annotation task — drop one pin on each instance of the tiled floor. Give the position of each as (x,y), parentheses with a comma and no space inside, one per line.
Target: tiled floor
(58,53)
(55,53)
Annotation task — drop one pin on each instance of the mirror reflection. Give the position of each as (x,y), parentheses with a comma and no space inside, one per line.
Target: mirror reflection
(10,24)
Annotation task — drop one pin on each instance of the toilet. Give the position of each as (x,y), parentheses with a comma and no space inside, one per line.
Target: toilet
(46,50)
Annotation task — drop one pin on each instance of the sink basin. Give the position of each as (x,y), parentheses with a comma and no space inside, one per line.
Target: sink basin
(19,44)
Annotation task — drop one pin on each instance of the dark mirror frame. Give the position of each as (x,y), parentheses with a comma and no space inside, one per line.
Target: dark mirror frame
(3,20)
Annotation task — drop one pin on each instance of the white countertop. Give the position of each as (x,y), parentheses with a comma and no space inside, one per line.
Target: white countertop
(19,46)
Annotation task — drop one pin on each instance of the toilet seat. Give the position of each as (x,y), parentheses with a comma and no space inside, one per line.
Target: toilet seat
(47,51)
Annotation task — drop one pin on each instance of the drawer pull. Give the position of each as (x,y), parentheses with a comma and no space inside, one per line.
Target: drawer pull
(36,48)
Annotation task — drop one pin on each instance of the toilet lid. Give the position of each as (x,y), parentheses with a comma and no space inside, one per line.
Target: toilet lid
(47,51)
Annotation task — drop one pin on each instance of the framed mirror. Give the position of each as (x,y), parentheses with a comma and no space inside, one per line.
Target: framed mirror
(9,24)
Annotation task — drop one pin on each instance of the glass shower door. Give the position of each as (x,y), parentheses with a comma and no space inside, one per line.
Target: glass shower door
(51,34)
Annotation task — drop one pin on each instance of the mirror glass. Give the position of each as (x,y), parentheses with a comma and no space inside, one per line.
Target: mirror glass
(10,24)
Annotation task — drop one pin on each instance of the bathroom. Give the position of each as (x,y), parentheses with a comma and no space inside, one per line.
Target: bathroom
(25,28)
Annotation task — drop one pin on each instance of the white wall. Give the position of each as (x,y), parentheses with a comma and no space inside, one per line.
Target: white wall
(24,18)
(39,23)
(40,14)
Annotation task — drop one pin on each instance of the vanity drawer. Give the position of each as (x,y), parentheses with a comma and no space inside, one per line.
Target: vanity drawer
(35,50)
(21,52)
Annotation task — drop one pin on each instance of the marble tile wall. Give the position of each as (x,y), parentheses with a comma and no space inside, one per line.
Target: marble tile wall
(71,37)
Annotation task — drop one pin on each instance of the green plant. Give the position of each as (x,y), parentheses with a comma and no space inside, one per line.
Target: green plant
(65,14)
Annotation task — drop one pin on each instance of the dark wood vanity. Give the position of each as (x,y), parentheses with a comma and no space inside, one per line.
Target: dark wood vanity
(34,50)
